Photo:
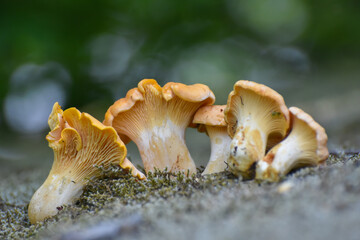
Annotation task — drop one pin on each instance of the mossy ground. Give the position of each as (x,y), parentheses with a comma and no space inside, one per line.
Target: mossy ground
(321,203)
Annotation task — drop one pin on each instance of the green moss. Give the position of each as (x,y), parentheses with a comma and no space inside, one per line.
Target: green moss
(119,185)
(114,185)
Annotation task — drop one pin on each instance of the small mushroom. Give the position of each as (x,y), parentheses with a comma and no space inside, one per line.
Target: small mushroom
(210,119)
(155,119)
(304,146)
(79,142)
(257,119)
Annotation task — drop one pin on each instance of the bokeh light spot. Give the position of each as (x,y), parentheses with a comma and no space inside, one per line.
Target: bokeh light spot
(110,57)
(276,20)
(33,91)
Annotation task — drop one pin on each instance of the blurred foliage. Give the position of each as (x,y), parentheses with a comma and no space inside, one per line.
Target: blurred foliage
(62,31)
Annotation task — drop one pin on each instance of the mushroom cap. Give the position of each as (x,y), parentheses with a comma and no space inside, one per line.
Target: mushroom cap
(82,131)
(56,123)
(210,115)
(55,118)
(123,105)
(149,114)
(185,93)
(321,137)
(262,97)
(99,144)
(189,93)
(79,142)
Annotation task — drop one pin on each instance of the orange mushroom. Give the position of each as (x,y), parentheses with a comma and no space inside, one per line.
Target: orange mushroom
(155,119)
(79,142)
(210,119)
(257,119)
(304,146)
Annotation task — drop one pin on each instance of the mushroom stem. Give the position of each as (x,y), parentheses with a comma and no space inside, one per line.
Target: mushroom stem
(166,144)
(220,141)
(247,146)
(56,191)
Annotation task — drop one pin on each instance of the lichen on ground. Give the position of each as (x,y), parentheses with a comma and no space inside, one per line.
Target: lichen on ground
(216,206)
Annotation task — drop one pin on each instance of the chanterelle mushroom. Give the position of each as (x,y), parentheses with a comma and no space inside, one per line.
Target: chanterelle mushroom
(257,119)
(210,119)
(304,146)
(79,142)
(155,119)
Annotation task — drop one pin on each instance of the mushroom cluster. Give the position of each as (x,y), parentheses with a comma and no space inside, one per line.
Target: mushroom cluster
(254,136)
(268,139)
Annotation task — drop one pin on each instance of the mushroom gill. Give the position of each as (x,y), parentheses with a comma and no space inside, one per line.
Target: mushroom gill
(304,146)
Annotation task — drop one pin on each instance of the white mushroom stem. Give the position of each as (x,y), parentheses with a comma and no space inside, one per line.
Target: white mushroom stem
(166,145)
(220,141)
(55,192)
(247,146)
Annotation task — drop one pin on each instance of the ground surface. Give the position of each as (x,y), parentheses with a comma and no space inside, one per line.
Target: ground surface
(321,203)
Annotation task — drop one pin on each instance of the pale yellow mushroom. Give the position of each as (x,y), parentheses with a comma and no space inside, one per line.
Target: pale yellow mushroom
(304,146)
(80,142)
(257,119)
(210,119)
(155,118)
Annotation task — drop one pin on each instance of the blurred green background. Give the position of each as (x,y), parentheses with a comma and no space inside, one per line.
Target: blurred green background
(87,54)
